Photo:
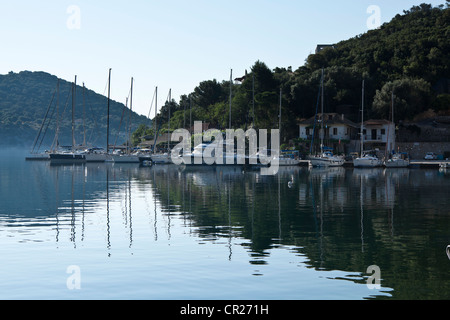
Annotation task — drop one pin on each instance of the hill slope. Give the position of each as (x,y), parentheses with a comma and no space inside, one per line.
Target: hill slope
(26,98)
(410,55)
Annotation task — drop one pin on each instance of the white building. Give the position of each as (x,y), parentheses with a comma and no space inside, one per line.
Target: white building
(336,127)
(379,134)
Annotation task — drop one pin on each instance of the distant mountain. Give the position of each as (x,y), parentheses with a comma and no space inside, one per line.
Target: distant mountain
(28,98)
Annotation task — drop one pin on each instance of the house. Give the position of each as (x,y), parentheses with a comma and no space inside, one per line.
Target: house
(321,47)
(379,134)
(335,125)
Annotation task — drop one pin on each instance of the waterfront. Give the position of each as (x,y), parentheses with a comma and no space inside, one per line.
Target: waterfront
(171,232)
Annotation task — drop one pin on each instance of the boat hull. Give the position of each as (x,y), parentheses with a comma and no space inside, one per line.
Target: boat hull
(96,157)
(396,163)
(367,162)
(38,157)
(125,159)
(67,158)
(325,162)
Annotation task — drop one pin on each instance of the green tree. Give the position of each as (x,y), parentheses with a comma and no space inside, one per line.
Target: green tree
(411,97)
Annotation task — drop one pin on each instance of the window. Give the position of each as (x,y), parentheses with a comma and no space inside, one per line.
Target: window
(335,131)
(383,131)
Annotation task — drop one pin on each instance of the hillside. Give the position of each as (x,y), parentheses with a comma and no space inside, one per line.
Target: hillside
(410,55)
(26,97)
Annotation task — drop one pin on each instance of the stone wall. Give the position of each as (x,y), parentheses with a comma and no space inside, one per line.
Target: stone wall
(417,150)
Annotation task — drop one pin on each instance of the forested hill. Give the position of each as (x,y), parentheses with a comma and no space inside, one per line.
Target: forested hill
(409,56)
(27,97)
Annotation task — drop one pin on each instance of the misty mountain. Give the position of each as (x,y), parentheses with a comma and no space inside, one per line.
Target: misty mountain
(30,104)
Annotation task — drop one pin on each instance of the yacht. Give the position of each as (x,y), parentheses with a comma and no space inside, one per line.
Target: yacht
(398,160)
(326,159)
(368,161)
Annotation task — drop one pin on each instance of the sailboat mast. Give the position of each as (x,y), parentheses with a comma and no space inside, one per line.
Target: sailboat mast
(279,115)
(107,123)
(84,116)
(323,118)
(362,119)
(131,114)
(156,109)
(253,100)
(74,88)
(57,116)
(168,123)
(231,84)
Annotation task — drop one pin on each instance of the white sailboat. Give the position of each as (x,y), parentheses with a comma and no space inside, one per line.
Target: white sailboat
(72,155)
(366,159)
(325,158)
(99,154)
(162,157)
(119,156)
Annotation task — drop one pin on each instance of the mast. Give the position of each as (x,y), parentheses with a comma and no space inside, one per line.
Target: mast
(74,88)
(131,114)
(279,115)
(393,123)
(253,101)
(362,119)
(57,116)
(156,109)
(231,84)
(107,124)
(323,118)
(84,116)
(168,123)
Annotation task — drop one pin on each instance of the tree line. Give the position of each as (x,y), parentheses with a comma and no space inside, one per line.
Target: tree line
(407,57)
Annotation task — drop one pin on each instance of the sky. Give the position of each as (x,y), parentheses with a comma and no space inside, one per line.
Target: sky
(175,44)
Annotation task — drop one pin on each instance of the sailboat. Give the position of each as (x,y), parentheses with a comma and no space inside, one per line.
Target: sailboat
(69,155)
(162,158)
(99,154)
(326,157)
(34,153)
(397,160)
(119,157)
(366,159)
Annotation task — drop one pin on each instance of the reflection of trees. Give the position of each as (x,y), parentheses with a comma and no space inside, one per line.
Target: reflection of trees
(339,219)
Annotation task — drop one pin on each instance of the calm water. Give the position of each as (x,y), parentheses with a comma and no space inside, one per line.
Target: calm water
(169,232)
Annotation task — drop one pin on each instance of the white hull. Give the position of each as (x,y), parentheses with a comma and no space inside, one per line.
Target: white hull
(96,157)
(125,158)
(288,162)
(161,159)
(326,160)
(396,163)
(444,165)
(367,162)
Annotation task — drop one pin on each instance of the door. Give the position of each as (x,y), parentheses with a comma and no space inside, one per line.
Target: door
(374,134)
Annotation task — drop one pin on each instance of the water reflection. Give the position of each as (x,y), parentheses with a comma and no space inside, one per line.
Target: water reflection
(330,219)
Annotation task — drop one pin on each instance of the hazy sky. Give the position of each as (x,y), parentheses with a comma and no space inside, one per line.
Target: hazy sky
(174,44)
